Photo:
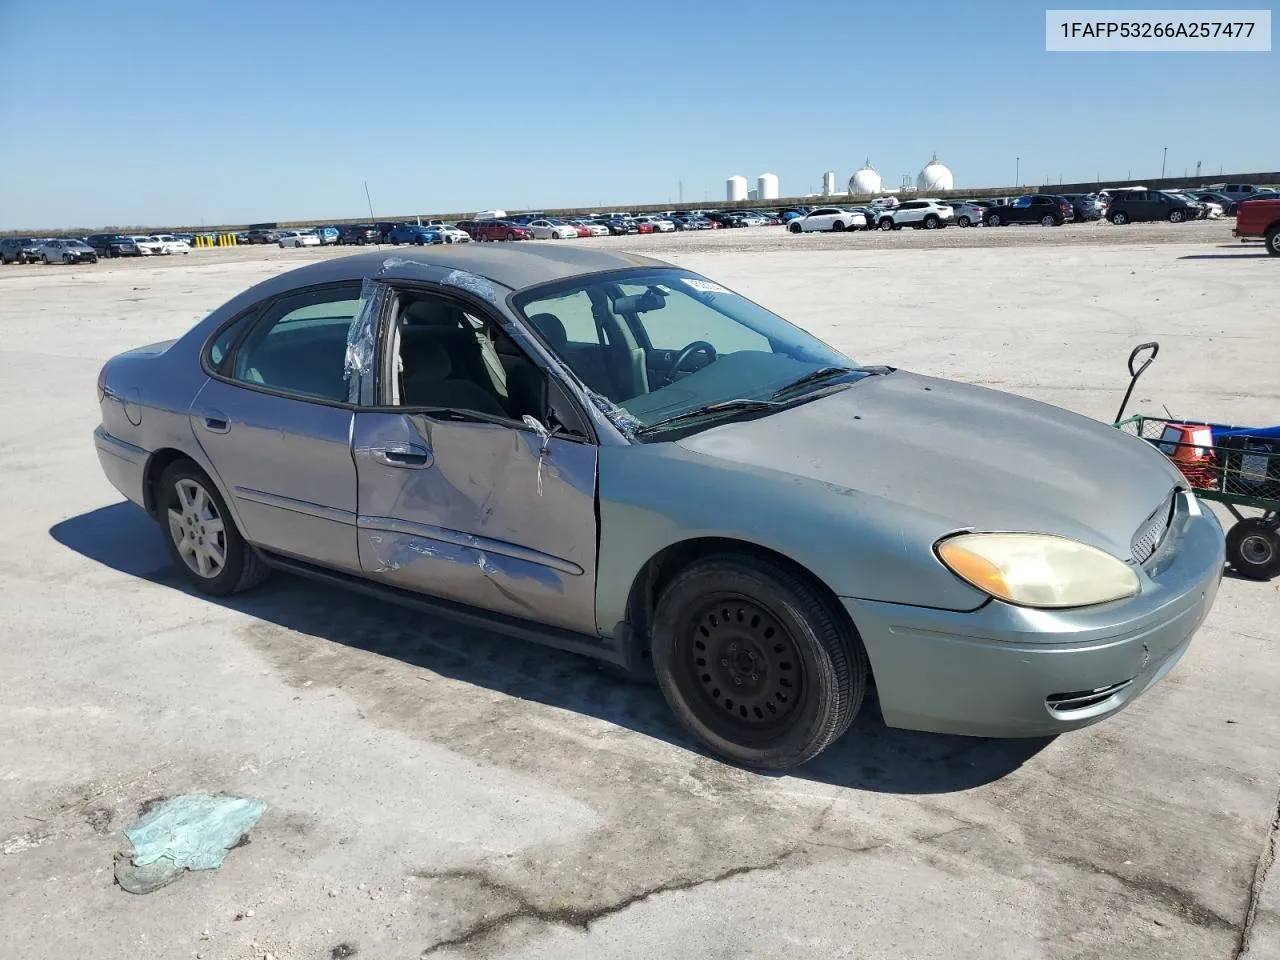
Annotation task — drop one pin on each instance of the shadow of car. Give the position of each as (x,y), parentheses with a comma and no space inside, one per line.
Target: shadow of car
(869,757)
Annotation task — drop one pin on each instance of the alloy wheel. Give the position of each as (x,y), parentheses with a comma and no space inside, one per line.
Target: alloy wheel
(197,529)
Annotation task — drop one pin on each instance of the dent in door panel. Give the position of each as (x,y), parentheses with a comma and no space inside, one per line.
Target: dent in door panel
(500,520)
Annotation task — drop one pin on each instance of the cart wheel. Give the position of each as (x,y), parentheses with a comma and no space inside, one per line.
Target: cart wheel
(1253,548)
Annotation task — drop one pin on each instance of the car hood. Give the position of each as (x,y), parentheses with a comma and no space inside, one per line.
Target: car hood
(960,457)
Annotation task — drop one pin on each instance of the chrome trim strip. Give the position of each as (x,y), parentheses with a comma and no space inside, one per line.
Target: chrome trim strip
(304,507)
(500,547)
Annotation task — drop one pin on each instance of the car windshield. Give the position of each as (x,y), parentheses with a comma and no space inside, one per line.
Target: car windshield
(701,344)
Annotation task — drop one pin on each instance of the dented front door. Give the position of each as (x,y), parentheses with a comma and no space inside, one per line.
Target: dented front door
(480,513)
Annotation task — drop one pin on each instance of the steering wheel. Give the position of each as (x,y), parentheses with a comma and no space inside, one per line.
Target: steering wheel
(698,346)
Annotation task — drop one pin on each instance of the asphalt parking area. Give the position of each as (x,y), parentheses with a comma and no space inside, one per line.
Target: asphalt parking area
(447,793)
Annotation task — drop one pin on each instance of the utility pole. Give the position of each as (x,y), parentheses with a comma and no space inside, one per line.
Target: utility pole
(1017,170)
(682,193)
(1162,161)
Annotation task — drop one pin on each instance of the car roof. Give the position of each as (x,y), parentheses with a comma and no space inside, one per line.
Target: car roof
(513,267)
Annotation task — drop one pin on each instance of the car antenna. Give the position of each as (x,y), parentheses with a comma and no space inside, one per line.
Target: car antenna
(370,202)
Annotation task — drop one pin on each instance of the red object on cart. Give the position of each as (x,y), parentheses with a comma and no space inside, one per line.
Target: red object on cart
(1190,447)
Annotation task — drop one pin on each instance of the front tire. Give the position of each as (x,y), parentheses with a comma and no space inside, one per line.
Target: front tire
(837,227)
(1273,241)
(200,536)
(994,220)
(1176,216)
(755,663)
(796,228)
(1253,548)
(964,222)
(886,224)
(1119,218)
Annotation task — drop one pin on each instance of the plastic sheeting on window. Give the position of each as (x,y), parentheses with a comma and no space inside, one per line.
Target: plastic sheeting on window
(362,338)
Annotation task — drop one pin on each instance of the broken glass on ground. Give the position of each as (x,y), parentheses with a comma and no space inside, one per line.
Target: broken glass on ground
(191,832)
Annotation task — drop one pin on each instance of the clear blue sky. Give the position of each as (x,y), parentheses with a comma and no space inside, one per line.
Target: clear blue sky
(230,111)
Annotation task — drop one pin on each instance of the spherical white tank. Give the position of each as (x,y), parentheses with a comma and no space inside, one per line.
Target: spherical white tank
(735,188)
(865,180)
(767,187)
(935,178)
(829,183)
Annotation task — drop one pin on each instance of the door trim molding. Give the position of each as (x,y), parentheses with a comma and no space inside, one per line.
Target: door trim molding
(457,538)
(305,507)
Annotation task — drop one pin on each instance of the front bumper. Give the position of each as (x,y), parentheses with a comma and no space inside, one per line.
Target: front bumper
(123,463)
(1006,671)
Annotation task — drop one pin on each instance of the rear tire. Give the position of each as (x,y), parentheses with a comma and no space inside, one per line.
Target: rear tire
(886,224)
(756,663)
(1048,220)
(1273,241)
(964,222)
(837,227)
(796,228)
(931,222)
(1176,216)
(200,536)
(1253,548)
(994,220)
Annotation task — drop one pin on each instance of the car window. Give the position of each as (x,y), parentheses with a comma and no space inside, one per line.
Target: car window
(300,344)
(756,352)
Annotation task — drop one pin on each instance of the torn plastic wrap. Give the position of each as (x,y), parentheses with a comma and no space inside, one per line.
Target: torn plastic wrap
(627,424)
(477,286)
(361,340)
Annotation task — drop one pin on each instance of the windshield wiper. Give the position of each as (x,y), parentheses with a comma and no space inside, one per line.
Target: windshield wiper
(816,376)
(735,406)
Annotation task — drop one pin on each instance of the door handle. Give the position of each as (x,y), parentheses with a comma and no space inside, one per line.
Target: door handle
(216,421)
(406,455)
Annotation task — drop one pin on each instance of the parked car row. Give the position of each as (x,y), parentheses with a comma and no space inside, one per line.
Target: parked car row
(90,249)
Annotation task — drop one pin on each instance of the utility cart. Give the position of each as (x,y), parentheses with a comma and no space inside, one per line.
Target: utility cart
(1238,467)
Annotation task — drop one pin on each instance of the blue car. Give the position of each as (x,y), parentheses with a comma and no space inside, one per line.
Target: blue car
(412,233)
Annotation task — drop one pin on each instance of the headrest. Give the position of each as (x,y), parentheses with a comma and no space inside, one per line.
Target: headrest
(549,325)
(431,313)
(425,359)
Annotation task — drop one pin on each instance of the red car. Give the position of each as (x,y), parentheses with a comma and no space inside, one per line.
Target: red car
(494,230)
(642,227)
(1260,220)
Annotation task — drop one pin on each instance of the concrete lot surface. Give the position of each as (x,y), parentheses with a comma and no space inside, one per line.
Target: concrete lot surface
(441,793)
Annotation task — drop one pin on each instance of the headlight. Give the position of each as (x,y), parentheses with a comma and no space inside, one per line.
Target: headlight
(1038,570)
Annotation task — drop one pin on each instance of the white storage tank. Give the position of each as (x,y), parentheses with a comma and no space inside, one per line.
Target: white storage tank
(829,183)
(865,180)
(735,188)
(935,177)
(767,187)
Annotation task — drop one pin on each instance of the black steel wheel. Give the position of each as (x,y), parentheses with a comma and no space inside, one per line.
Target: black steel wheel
(1253,548)
(755,662)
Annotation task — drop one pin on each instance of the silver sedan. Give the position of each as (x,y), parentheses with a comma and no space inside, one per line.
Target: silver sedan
(616,456)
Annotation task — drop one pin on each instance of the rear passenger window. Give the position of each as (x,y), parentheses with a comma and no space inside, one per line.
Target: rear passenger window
(300,344)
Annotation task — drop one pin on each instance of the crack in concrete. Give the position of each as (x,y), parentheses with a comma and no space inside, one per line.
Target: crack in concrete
(1177,900)
(579,918)
(1261,869)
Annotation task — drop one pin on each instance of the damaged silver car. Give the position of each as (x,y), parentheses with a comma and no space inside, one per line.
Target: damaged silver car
(618,457)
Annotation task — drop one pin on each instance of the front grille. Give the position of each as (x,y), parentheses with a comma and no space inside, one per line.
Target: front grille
(1083,699)
(1151,533)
